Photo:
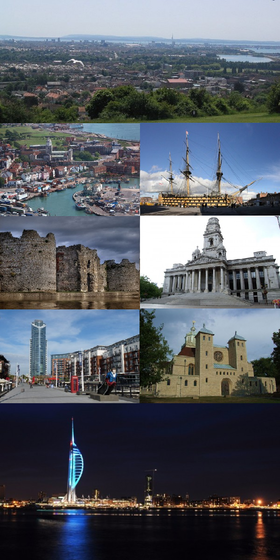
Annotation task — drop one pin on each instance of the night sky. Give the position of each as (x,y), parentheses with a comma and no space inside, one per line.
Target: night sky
(198,449)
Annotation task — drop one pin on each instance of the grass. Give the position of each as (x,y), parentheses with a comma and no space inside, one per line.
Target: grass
(262,399)
(34,136)
(245,117)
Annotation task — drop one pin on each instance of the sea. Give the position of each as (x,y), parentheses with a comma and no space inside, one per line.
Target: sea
(114,130)
(149,535)
(244,58)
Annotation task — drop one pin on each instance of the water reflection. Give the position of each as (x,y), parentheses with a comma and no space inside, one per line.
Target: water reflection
(70,301)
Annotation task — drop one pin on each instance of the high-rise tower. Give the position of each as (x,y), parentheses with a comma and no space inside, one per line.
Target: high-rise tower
(75,471)
(38,349)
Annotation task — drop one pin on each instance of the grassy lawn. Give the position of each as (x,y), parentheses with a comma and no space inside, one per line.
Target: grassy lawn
(264,399)
(33,136)
(234,118)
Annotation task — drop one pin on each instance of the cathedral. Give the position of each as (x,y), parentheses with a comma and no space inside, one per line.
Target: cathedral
(204,369)
(254,278)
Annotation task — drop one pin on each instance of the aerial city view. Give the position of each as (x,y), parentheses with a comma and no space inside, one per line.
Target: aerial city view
(139,265)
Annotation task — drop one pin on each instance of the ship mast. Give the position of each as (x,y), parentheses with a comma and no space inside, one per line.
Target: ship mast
(171,177)
(219,173)
(187,171)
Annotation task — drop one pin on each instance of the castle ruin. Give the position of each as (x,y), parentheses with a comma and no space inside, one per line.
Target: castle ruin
(34,264)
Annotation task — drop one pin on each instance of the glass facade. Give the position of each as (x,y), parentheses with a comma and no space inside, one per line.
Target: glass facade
(38,349)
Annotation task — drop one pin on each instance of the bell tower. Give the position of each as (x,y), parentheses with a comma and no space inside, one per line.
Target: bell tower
(213,240)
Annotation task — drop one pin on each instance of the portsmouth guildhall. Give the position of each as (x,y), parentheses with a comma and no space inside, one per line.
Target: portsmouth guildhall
(38,349)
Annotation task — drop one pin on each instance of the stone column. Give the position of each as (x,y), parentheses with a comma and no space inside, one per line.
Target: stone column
(266,281)
(242,283)
(250,279)
(214,279)
(199,281)
(206,281)
(234,280)
(192,289)
(222,278)
(258,279)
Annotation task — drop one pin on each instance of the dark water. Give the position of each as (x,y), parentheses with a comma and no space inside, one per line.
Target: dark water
(74,300)
(141,536)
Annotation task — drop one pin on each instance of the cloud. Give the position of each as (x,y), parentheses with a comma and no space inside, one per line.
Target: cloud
(157,181)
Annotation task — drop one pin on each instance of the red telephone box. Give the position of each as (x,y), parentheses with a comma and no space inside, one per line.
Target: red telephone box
(74,384)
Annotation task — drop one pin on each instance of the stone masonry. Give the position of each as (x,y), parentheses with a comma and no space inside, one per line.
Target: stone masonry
(78,269)
(123,277)
(27,264)
(34,264)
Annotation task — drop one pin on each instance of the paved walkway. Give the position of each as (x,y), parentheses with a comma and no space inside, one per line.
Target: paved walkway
(41,395)
(212,299)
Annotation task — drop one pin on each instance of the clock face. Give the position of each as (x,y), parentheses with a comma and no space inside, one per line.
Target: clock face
(218,356)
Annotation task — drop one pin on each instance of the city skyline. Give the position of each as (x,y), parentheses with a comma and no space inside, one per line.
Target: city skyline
(68,331)
(250,152)
(209,20)
(212,449)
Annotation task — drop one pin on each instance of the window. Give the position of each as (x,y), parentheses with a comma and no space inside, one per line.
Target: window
(203,337)
(206,379)
(237,343)
(241,357)
(195,383)
(206,353)
(191,368)
(209,338)
(186,383)
(168,381)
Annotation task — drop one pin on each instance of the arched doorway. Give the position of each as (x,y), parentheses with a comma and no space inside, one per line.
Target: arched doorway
(225,387)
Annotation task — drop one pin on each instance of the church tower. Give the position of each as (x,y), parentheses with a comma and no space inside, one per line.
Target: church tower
(213,240)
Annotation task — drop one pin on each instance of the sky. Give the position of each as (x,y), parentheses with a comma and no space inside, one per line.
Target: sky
(67,331)
(200,449)
(116,239)
(255,325)
(216,19)
(167,240)
(249,152)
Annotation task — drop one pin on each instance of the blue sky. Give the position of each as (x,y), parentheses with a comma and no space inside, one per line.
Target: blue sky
(256,325)
(216,19)
(249,152)
(165,240)
(67,331)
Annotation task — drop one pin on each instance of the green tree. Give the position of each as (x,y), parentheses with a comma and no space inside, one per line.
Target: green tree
(263,367)
(149,289)
(273,99)
(276,355)
(98,103)
(155,354)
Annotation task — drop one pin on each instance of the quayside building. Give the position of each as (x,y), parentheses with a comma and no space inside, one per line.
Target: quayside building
(205,369)
(254,278)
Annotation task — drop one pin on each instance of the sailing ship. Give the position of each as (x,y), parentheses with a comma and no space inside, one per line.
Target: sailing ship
(213,199)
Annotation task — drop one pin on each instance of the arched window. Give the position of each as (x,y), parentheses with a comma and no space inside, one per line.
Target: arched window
(191,369)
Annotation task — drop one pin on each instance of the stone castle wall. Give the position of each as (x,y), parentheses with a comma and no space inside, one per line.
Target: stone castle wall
(34,264)
(78,269)
(27,264)
(123,277)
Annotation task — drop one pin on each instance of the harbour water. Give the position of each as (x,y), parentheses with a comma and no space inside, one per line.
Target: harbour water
(244,58)
(115,130)
(61,203)
(122,535)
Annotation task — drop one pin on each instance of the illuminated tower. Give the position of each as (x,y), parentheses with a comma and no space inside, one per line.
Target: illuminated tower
(75,471)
